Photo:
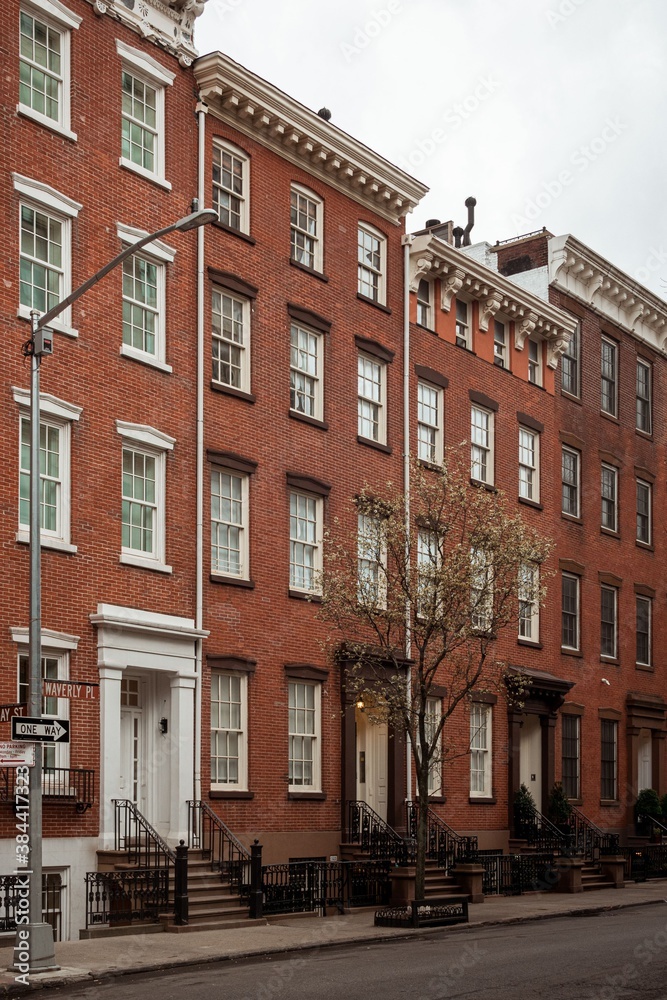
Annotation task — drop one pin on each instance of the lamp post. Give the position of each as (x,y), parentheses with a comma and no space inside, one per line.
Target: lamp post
(39,934)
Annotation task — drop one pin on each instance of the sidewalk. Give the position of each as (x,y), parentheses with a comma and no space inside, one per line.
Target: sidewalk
(83,961)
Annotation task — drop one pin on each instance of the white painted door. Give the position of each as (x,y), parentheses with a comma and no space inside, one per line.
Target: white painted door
(132,775)
(644,760)
(372,743)
(530,768)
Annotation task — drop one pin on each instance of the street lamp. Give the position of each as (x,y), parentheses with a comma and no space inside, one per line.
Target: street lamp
(40,934)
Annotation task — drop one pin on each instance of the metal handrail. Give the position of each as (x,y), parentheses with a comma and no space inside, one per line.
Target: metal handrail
(75,784)
(134,834)
(208,833)
(540,832)
(373,834)
(444,845)
(589,839)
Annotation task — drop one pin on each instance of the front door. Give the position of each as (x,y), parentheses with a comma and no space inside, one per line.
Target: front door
(132,776)
(644,760)
(372,746)
(531,757)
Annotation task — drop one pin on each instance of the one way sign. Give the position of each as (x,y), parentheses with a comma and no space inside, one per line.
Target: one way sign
(40,730)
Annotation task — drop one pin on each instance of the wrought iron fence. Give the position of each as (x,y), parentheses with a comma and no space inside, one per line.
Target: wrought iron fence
(512,874)
(443,845)
(541,833)
(52,888)
(117,898)
(133,833)
(642,863)
(207,832)
(374,835)
(303,887)
(588,839)
(76,785)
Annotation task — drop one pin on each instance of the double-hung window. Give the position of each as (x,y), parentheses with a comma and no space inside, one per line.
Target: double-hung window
(45,239)
(143,495)
(535,361)
(570,630)
(462,323)
(428,562)
(144,299)
(371,556)
(229,731)
(44,63)
(304,733)
(608,376)
(609,495)
(306,350)
(500,353)
(609,621)
(481,445)
(230,320)
(432,718)
(371,396)
(306,228)
(481,590)
(55,667)
(230,186)
(571,756)
(571,461)
(609,759)
(529,473)
(529,605)
(643,394)
(429,423)
(424,294)
(644,533)
(480,750)
(55,435)
(569,366)
(305,541)
(143,83)
(643,625)
(229,524)
(371,263)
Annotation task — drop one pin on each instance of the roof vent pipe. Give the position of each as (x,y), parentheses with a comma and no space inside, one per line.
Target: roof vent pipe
(432,222)
(458,233)
(470,205)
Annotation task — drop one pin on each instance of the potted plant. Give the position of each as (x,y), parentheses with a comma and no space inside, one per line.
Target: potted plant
(647,807)
(559,810)
(524,813)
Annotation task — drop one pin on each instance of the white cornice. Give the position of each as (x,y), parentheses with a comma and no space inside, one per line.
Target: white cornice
(431,258)
(582,274)
(168,23)
(266,114)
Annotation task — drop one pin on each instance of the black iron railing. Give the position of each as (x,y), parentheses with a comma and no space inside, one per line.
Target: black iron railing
(117,898)
(306,886)
(588,840)
(75,785)
(652,825)
(51,901)
(512,874)
(144,846)
(374,835)
(541,833)
(645,862)
(443,845)
(208,833)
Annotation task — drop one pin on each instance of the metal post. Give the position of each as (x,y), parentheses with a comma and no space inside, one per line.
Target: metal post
(256,894)
(181,902)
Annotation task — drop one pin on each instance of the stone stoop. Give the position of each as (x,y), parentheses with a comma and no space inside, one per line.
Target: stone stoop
(592,878)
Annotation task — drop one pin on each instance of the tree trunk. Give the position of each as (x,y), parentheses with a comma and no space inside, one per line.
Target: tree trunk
(422,835)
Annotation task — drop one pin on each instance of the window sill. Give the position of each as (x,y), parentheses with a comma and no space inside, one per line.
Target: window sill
(484,486)
(57,325)
(648,668)
(217,224)
(609,533)
(305,595)
(571,652)
(431,466)
(308,270)
(429,329)
(228,390)
(314,796)
(438,800)
(531,503)
(141,562)
(146,174)
(610,802)
(482,800)
(530,643)
(305,419)
(374,444)
(57,544)
(49,123)
(647,546)
(144,359)
(229,793)
(647,435)
(232,581)
(372,302)
(613,660)
(571,518)
(573,399)
(609,416)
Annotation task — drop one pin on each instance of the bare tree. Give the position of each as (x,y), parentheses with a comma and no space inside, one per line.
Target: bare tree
(417,598)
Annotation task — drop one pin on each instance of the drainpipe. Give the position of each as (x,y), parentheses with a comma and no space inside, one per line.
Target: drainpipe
(199,583)
(407,243)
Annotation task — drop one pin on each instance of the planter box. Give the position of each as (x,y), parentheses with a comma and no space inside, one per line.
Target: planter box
(436,912)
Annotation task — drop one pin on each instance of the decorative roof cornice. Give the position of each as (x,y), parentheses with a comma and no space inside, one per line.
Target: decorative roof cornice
(431,258)
(168,23)
(259,110)
(582,274)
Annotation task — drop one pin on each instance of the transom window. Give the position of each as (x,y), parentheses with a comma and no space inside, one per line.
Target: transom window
(570,366)
(305,541)
(535,362)
(644,533)
(306,372)
(463,337)
(609,489)
(141,313)
(643,623)
(571,755)
(306,228)
(480,750)
(230,346)
(230,186)
(643,394)
(608,621)
(570,475)
(429,423)
(228,730)
(529,479)
(500,344)
(371,393)
(608,376)
(570,612)
(481,445)
(229,524)
(304,735)
(371,254)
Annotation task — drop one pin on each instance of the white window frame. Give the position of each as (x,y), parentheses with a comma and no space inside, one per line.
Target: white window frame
(577,611)
(376,407)
(243,346)
(529,604)
(529,464)
(220,191)
(611,379)
(159,254)
(425,304)
(45,199)
(241,734)
(604,588)
(501,344)
(57,18)
(649,516)
(60,414)
(432,718)
(429,434)
(315,545)
(371,561)
(151,73)
(482,452)
(299,373)
(316,238)
(609,503)
(428,562)
(144,440)
(576,486)
(463,325)
(294,733)
(242,526)
(368,274)
(644,400)
(481,750)
(641,598)
(535,376)
(571,357)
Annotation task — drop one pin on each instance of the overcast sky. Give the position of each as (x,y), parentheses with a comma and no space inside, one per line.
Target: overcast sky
(550,112)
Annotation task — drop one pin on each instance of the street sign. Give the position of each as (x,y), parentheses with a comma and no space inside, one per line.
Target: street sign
(41,730)
(70,689)
(17,754)
(7,712)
